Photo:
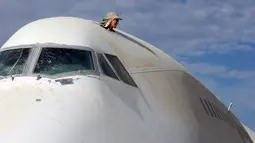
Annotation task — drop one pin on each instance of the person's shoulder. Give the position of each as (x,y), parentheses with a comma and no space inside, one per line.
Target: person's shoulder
(106,28)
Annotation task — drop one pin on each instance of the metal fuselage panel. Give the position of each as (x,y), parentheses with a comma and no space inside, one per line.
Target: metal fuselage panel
(89,110)
(94,111)
(174,97)
(86,111)
(165,109)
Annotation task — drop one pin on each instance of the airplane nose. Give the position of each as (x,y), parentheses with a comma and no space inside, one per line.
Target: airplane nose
(90,110)
(47,113)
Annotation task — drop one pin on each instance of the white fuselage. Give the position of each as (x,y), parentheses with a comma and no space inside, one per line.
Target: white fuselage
(89,110)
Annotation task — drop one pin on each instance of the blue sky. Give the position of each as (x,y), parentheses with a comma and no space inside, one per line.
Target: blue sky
(213,39)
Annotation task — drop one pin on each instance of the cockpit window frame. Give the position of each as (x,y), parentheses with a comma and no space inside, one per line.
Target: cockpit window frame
(109,64)
(26,65)
(114,70)
(71,73)
(34,55)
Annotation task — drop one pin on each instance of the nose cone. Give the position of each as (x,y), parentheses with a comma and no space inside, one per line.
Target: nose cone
(86,111)
(34,111)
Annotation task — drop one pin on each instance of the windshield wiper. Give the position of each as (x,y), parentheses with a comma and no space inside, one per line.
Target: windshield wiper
(16,62)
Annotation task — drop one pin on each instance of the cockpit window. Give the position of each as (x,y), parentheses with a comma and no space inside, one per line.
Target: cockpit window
(106,69)
(120,69)
(13,61)
(59,60)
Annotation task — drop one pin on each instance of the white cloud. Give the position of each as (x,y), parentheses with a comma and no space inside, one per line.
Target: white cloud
(193,27)
(241,94)
(218,71)
(189,28)
(226,47)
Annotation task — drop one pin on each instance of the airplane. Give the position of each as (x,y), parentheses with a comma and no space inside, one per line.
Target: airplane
(68,80)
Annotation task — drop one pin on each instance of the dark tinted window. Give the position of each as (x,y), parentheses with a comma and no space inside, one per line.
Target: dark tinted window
(205,108)
(107,70)
(58,60)
(120,69)
(13,61)
(212,109)
(208,107)
(218,112)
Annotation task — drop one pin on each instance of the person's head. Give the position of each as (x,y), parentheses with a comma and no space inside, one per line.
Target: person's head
(114,23)
(111,20)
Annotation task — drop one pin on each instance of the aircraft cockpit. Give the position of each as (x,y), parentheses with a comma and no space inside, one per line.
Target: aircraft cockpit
(56,61)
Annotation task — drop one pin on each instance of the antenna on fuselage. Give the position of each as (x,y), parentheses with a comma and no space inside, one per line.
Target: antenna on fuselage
(230,106)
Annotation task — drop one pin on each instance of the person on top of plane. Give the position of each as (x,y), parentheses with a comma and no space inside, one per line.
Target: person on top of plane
(110,21)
